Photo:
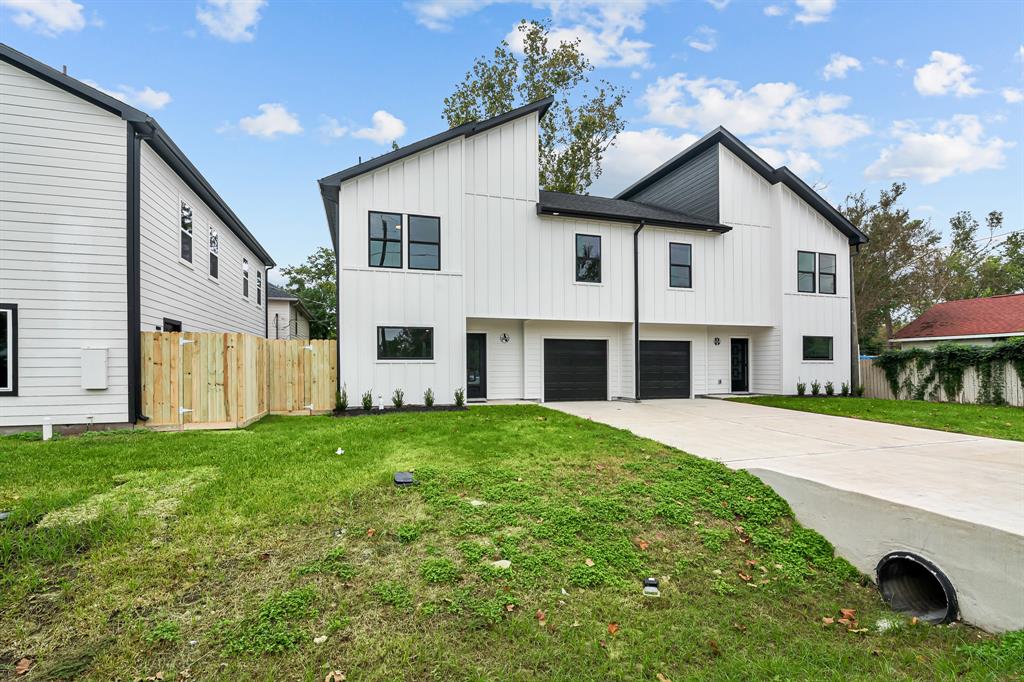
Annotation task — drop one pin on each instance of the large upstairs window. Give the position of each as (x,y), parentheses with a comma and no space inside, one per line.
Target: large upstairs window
(826,273)
(805,271)
(385,240)
(185,225)
(588,258)
(680,266)
(424,243)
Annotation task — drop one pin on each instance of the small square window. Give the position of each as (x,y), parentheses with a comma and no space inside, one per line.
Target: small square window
(385,240)
(805,271)
(588,258)
(680,267)
(817,348)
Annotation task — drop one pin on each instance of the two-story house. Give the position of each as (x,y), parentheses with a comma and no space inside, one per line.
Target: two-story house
(106,230)
(715,273)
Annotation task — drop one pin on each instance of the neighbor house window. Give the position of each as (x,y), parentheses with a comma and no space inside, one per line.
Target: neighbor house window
(817,348)
(245,277)
(424,243)
(680,268)
(385,240)
(805,271)
(186,232)
(826,273)
(8,349)
(259,288)
(588,258)
(214,253)
(405,343)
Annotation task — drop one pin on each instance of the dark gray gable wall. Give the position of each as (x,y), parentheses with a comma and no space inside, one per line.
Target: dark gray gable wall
(692,188)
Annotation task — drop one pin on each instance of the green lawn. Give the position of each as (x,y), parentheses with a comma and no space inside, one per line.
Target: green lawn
(262,554)
(977,420)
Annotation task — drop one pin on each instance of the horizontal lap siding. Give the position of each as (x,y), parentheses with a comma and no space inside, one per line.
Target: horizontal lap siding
(63,249)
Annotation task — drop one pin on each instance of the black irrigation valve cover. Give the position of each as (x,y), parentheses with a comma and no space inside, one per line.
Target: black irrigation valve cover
(650,582)
(404,478)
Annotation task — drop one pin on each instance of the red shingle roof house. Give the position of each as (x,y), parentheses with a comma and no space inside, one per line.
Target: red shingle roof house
(976,321)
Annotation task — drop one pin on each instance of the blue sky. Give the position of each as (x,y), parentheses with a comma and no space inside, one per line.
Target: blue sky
(266,97)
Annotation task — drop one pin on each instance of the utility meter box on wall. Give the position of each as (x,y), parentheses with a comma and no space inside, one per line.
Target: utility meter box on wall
(94,368)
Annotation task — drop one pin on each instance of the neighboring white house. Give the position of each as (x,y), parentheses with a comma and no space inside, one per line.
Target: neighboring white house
(287,314)
(716,273)
(106,230)
(972,321)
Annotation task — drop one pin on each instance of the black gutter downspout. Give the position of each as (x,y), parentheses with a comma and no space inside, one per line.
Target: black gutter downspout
(134,280)
(854,331)
(636,310)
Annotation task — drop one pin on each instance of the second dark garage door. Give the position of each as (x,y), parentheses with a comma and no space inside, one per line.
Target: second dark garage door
(664,369)
(575,369)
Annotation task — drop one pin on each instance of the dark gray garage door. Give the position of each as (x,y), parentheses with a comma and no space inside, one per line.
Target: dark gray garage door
(575,369)
(664,369)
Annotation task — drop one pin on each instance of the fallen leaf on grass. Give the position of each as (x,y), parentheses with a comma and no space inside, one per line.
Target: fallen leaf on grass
(613,628)
(857,630)
(23,666)
(510,607)
(541,616)
(827,621)
(641,543)
(264,556)
(750,562)
(335,676)
(589,562)
(744,577)
(715,649)
(370,532)
(662,678)
(848,613)
(845,621)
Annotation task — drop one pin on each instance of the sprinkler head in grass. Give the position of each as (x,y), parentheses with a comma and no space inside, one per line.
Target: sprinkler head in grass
(404,478)
(4,515)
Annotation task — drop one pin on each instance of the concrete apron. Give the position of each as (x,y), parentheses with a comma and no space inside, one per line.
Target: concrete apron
(870,488)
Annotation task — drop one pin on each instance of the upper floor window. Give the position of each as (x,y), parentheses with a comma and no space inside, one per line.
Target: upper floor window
(259,288)
(8,349)
(805,271)
(405,343)
(826,273)
(680,265)
(186,231)
(424,243)
(245,277)
(385,240)
(817,348)
(588,258)
(214,253)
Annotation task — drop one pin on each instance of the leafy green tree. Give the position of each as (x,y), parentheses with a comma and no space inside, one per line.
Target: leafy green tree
(314,283)
(982,265)
(582,122)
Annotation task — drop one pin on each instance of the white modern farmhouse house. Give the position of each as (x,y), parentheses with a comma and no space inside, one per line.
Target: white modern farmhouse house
(106,230)
(715,273)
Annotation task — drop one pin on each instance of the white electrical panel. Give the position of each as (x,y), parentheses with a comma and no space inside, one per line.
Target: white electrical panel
(94,368)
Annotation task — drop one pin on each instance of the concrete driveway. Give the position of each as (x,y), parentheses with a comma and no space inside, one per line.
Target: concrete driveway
(869,487)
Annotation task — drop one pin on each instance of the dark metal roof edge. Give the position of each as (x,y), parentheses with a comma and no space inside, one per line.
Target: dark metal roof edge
(722,136)
(166,148)
(632,220)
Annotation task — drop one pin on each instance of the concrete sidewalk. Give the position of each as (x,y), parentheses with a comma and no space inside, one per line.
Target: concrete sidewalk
(869,487)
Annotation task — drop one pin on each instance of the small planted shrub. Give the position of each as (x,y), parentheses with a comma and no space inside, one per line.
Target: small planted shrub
(428,397)
(368,401)
(858,391)
(341,400)
(801,388)
(398,397)
(830,390)
(460,397)
(844,390)
(815,387)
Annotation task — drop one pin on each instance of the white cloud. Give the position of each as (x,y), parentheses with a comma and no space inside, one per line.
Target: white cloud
(385,128)
(635,154)
(814,11)
(800,162)
(1019,54)
(438,15)
(774,10)
(719,4)
(1013,95)
(331,129)
(705,39)
(839,65)
(946,73)
(232,20)
(952,147)
(48,17)
(273,120)
(146,98)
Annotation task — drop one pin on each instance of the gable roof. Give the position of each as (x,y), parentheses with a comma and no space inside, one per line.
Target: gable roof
(620,210)
(995,315)
(277,293)
(151,132)
(773,175)
(330,184)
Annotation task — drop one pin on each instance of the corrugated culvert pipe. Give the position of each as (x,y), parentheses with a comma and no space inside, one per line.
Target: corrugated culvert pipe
(914,586)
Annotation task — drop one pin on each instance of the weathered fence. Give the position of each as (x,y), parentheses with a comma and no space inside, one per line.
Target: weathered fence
(877,386)
(226,380)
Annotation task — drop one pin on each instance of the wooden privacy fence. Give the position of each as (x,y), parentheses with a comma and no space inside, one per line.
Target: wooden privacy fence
(877,386)
(225,380)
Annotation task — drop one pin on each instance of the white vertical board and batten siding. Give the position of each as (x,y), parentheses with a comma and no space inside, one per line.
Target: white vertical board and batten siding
(185,292)
(63,249)
(504,359)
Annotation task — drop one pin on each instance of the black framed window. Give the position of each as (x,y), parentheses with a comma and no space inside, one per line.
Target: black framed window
(588,258)
(245,277)
(826,273)
(680,265)
(805,271)
(185,225)
(405,343)
(385,240)
(171,325)
(424,243)
(817,348)
(214,253)
(8,349)
(259,287)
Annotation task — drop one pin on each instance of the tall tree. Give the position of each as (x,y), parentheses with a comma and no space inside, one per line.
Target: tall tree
(581,124)
(982,265)
(314,283)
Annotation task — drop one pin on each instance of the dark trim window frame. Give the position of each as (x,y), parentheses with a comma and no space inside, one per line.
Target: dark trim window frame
(588,265)
(405,343)
(415,224)
(259,287)
(186,222)
(214,253)
(245,277)
(385,240)
(826,274)
(817,349)
(805,279)
(8,349)
(170,325)
(680,265)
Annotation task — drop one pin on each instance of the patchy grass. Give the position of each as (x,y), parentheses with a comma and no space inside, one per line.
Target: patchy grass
(977,420)
(262,554)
